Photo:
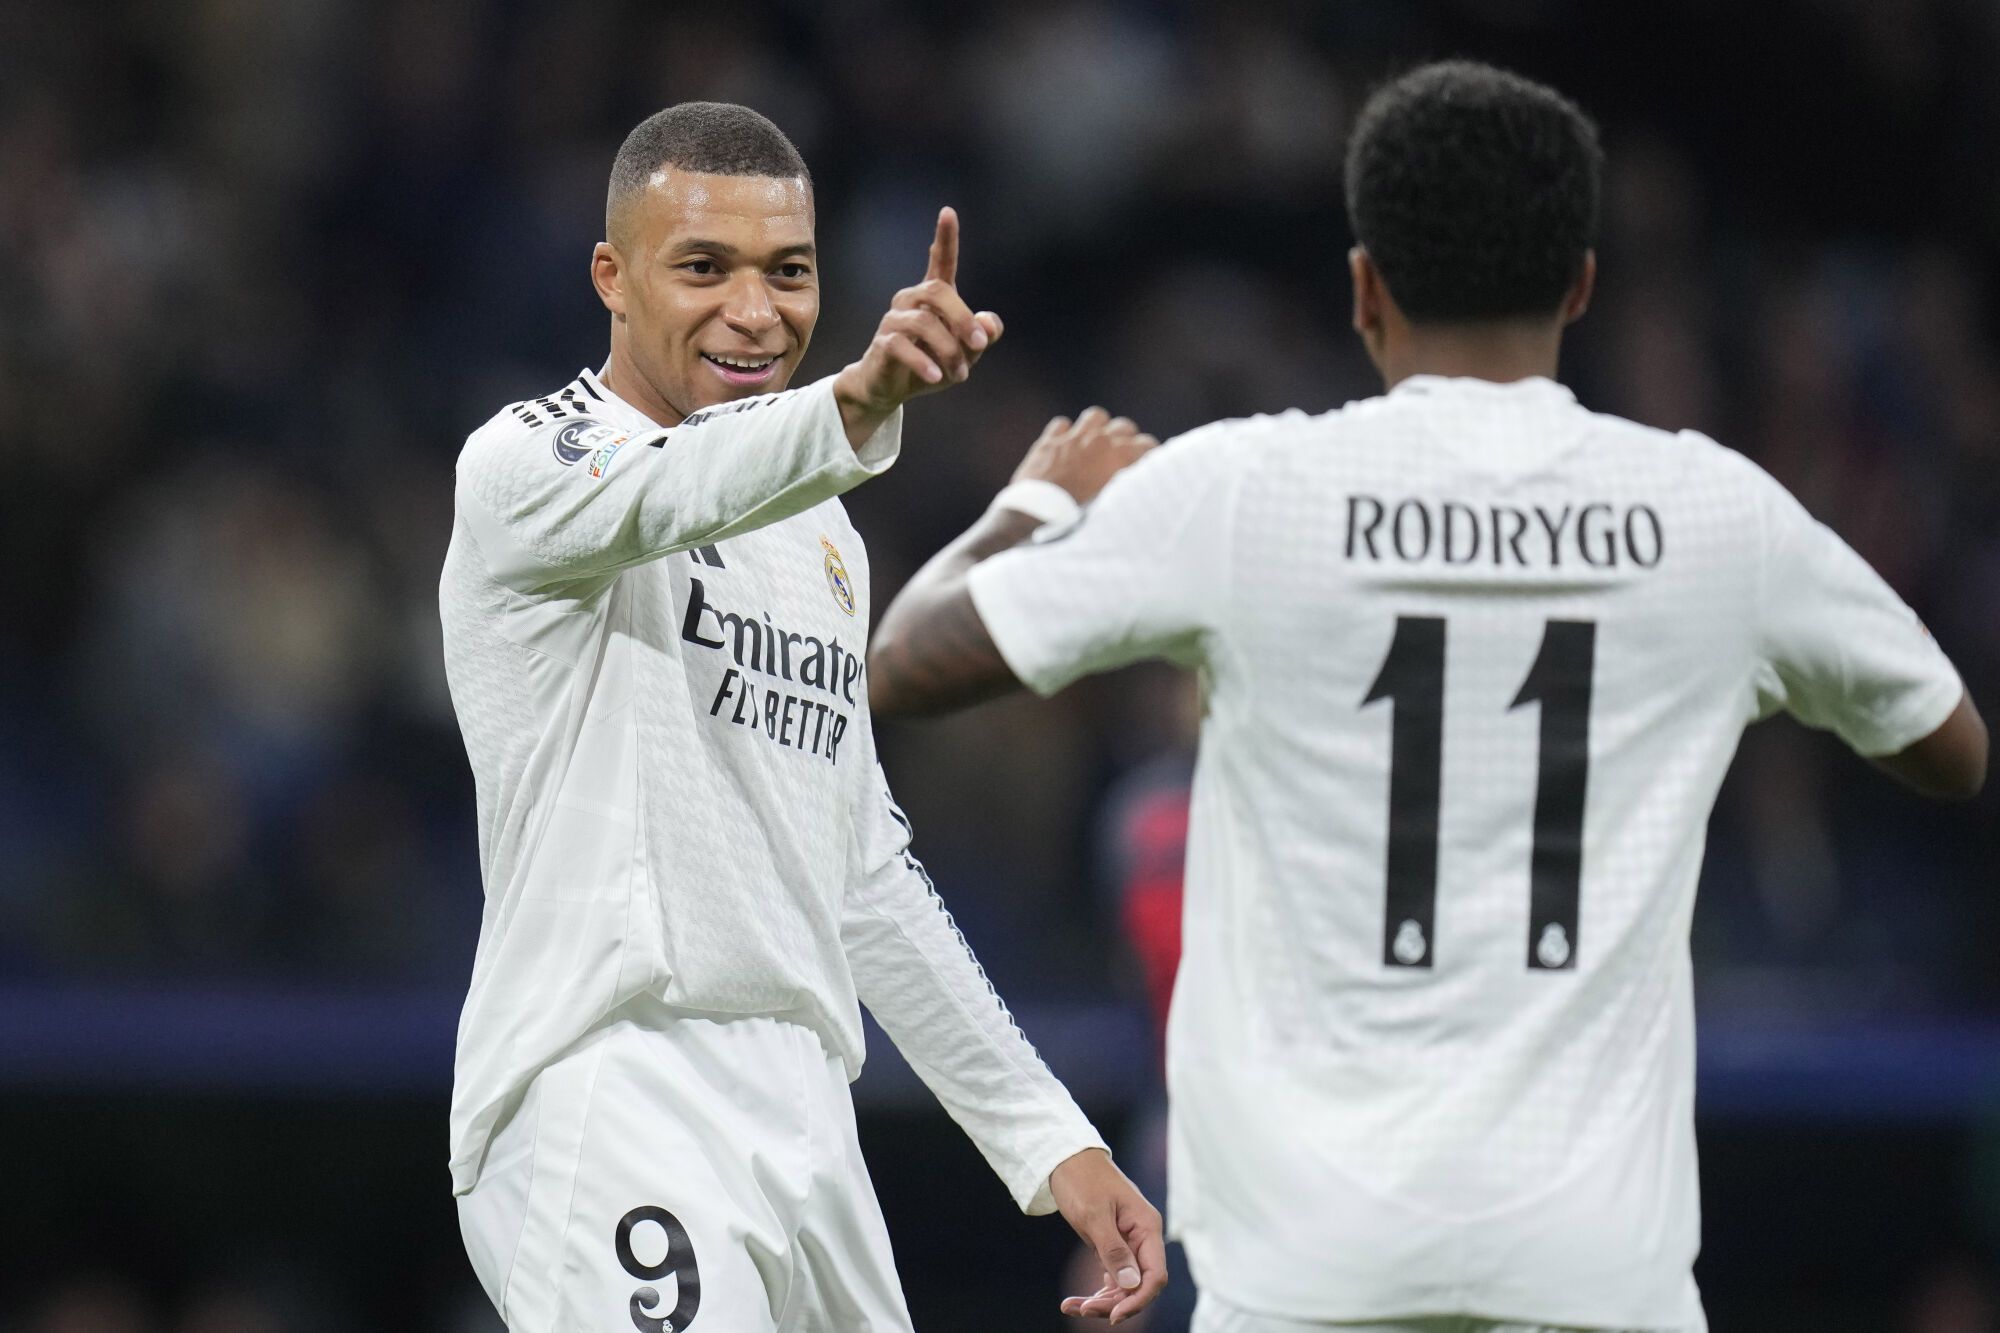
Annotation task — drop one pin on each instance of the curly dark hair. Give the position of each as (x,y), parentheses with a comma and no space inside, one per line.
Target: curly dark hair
(1475,191)
(720,138)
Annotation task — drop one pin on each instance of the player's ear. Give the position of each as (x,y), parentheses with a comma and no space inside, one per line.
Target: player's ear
(1371,302)
(1367,292)
(607,274)
(1578,299)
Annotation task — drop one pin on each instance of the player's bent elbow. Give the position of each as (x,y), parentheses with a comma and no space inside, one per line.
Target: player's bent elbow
(1968,773)
(1950,763)
(1973,779)
(1964,783)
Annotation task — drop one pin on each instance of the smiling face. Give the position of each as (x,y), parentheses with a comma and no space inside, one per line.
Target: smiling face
(713,285)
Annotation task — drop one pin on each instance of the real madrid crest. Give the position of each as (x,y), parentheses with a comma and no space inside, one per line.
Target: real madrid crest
(836,577)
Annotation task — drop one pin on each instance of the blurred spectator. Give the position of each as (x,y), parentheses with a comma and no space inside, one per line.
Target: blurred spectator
(1955,1297)
(231,1309)
(91,1305)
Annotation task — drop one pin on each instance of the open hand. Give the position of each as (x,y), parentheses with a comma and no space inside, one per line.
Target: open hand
(1115,1220)
(929,339)
(1081,456)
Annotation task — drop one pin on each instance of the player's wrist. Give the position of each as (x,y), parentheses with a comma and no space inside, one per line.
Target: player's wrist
(863,410)
(1043,500)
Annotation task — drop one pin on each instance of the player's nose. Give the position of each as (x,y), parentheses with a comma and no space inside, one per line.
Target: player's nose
(749,308)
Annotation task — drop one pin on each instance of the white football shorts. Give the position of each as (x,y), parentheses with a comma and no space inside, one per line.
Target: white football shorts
(682,1172)
(1214,1315)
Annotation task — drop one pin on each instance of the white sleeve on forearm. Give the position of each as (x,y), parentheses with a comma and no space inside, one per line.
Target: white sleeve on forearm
(919,978)
(545,515)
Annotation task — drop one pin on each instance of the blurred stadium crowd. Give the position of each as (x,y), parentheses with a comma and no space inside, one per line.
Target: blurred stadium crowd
(263,266)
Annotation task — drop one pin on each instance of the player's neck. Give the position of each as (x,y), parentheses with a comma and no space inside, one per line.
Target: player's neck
(622,377)
(1502,353)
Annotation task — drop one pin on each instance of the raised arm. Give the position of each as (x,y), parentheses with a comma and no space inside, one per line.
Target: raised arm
(554,501)
(932,652)
(570,500)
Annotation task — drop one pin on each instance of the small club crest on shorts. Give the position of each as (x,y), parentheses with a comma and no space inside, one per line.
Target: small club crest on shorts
(836,577)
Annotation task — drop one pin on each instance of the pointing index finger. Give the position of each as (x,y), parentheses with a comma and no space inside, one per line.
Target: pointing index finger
(944,250)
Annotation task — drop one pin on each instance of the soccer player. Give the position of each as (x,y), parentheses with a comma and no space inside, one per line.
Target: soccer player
(654,612)
(1475,661)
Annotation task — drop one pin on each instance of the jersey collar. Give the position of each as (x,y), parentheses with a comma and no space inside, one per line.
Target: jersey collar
(1533,389)
(611,405)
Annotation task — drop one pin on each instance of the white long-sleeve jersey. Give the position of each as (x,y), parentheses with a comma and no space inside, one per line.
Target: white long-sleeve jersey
(654,640)
(1476,660)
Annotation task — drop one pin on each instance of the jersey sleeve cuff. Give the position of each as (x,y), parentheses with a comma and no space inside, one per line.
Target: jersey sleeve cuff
(1043,501)
(1032,1192)
(879,450)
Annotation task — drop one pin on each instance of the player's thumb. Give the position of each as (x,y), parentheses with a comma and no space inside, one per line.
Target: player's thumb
(1112,1251)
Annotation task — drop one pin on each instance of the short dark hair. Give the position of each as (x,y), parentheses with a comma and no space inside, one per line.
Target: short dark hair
(720,138)
(1475,191)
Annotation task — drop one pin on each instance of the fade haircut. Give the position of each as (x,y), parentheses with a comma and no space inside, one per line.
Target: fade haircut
(719,138)
(1475,191)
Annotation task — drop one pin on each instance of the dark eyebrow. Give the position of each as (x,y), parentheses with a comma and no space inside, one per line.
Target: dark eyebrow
(720,250)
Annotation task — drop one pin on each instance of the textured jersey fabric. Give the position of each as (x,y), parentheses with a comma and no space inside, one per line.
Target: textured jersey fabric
(1475,662)
(654,641)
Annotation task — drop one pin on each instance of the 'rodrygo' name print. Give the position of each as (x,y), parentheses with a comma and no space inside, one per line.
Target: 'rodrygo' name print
(1597,533)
